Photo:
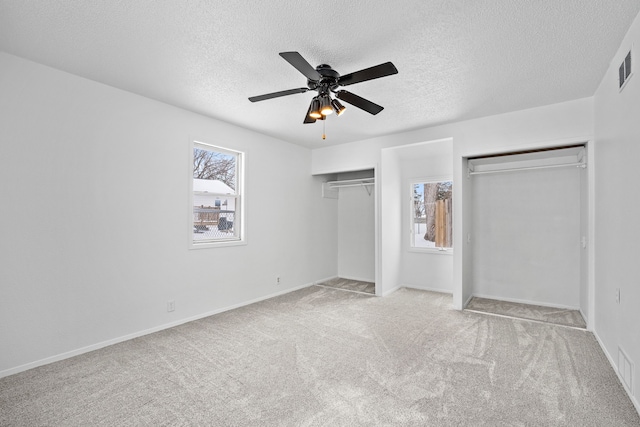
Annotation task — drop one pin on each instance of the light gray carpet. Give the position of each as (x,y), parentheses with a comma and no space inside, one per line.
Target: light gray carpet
(325,357)
(350,285)
(558,316)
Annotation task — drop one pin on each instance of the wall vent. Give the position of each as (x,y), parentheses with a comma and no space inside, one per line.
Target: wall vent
(625,369)
(624,72)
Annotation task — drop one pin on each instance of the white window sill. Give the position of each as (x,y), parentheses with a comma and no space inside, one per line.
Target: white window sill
(431,251)
(220,244)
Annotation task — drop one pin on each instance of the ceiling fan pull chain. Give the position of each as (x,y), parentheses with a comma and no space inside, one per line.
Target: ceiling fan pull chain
(323,133)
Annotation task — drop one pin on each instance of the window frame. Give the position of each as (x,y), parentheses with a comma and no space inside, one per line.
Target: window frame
(240,198)
(410,216)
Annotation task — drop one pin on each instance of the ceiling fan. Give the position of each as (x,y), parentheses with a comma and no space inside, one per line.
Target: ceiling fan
(326,81)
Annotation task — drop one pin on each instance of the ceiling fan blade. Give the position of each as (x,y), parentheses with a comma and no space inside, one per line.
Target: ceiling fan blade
(301,64)
(359,102)
(278,94)
(376,72)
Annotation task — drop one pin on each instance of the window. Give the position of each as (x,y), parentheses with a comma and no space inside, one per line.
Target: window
(432,215)
(216,196)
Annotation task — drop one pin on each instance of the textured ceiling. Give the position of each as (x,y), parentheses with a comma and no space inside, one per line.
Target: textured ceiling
(456,59)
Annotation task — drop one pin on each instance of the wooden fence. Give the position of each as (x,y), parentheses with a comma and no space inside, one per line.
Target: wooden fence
(444,220)
(205,216)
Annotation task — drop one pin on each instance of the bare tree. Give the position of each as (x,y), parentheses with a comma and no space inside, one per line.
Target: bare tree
(430,197)
(213,165)
(418,203)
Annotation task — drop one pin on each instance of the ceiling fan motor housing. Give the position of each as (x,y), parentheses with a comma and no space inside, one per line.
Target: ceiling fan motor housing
(329,80)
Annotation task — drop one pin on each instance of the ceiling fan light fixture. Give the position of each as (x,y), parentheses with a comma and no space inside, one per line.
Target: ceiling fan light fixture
(314,110)
(325,103)
(338,107)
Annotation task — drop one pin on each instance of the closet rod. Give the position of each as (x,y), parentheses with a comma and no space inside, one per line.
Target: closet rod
(564,165)
(362,184)
(351,181)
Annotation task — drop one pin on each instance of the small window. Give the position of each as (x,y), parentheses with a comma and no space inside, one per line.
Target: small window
(216,198)
(432,215)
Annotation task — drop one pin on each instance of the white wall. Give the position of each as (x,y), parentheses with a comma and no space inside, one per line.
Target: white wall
(94,217)
(390,255)
(549,125)
(617,209)
(526,240)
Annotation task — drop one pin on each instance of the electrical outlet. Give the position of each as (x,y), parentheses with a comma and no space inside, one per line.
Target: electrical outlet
(171,306)
(618,295)
(278,281)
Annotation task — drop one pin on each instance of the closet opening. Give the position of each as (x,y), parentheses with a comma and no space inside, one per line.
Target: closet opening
(354,192)
(528,234)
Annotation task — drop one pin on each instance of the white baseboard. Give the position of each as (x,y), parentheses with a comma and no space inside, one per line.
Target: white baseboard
(97,346)
(466,303)
(612,362)
(359,279)
(419,288)
(326,279)
(586,321)
(426,288)
(524,301)
(390,291)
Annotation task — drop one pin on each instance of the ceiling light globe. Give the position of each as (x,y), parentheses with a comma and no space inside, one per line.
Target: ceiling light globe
(325,106)
(337,107)
(326,111)
(315,109)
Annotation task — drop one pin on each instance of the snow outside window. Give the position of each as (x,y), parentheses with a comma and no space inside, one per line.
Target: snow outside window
(216,198)
(432,215)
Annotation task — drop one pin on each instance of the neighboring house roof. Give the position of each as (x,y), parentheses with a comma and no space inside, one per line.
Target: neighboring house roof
(211,186)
